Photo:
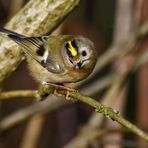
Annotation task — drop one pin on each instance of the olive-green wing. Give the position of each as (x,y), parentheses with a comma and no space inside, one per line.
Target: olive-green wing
(34,46)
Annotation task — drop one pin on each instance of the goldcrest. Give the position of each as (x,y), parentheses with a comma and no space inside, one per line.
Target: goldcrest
(57,59)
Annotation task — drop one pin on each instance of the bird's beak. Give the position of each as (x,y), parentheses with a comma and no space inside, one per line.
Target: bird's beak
(78,65)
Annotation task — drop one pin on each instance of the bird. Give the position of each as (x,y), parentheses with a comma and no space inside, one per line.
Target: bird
(56,60)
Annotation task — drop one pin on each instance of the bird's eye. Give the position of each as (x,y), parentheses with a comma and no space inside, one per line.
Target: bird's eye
(84,53)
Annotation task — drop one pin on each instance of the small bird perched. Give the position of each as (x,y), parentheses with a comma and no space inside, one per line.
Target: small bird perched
(56,59)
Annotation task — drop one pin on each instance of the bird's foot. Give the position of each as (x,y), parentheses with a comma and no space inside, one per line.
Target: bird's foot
(61,86)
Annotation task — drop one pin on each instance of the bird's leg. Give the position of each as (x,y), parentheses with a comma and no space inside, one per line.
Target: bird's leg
(57,86)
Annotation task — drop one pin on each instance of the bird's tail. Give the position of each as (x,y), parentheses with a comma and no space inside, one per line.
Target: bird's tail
(10,33)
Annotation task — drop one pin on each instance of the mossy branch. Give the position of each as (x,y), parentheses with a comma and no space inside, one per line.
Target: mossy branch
(100,108)
(18,93)
(106,111)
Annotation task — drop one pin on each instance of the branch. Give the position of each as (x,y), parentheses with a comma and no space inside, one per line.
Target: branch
(92,89)
(106,111)
(44,91)
(100,108)
(18,93)
(141,60)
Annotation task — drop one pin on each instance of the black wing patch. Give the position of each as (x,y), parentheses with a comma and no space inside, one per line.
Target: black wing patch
(40,51)
(32,46)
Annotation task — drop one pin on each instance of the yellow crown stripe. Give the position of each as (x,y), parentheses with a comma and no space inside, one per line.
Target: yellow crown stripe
(72,49)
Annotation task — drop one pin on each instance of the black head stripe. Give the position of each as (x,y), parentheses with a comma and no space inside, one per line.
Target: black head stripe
(67,50)
(66,45)
(69,53)
(74,44)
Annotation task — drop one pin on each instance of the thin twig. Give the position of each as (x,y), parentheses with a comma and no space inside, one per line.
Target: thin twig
(103,83)
(18,93)
(141,60)
(100,108)
(108,112)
